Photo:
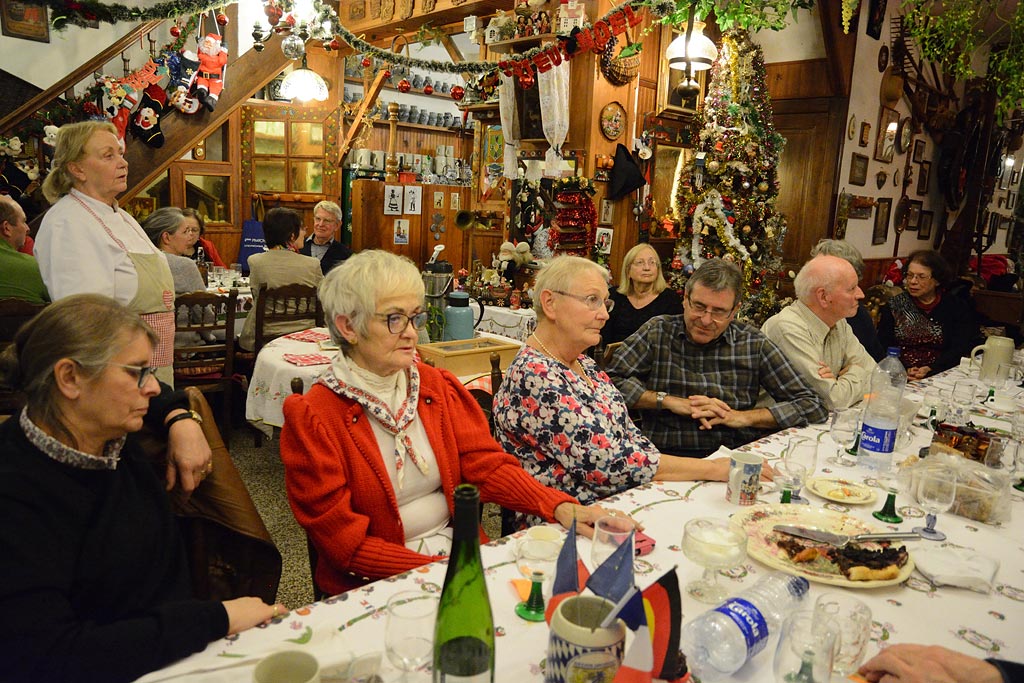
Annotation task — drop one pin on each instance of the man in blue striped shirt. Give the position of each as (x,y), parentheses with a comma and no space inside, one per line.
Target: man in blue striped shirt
(696,377)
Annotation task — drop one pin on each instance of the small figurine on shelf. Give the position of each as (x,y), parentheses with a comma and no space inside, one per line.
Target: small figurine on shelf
(506,262)
(542,23)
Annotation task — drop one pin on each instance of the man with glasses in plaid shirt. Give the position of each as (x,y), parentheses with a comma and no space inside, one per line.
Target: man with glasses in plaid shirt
(696,377)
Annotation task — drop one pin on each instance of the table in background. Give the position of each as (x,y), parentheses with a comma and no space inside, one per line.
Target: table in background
(518,324)
(243,304)
(915,611)
(272,378)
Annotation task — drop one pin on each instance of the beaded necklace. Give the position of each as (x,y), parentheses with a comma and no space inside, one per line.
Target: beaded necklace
(576,362)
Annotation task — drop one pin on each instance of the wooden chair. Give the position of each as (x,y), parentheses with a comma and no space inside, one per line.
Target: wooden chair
(204,348)
(285,309)
(230,552)
(13,314)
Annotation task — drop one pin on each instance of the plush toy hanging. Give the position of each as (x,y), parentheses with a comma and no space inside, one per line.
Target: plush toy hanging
(213,57)
(146,121)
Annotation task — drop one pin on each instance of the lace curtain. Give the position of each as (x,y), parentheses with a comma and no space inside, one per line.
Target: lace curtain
(554,106)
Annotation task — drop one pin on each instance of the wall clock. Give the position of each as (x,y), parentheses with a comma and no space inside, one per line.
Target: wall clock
(613,120)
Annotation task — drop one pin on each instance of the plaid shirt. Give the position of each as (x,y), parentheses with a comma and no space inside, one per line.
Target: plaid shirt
(735,367)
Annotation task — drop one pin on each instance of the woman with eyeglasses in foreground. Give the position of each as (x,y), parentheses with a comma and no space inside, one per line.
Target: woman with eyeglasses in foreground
(562,416)
(374,450)
(933,327)
(94,583)
(641,295)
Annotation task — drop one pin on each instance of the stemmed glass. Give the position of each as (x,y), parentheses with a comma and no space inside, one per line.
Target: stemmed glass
(408,635)
(936,492)
(806,648)
(788,478)
(536,559)
(802,451)
(853,618)
(844,428)
(935,402)
(965,393)
(713,544)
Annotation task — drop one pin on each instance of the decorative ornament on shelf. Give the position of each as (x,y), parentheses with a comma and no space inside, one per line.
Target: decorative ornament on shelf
(404,85)
(366,62)
(293,47)
(222,19)
(458,92)
(526,81)
(175,31)
(428,90)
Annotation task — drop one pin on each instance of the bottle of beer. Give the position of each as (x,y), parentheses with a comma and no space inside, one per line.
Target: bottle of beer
(464,631)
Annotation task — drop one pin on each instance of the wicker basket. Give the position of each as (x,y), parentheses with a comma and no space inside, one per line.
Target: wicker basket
(621,70)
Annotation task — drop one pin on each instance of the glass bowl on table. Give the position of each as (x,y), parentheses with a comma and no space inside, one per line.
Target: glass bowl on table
(715,545)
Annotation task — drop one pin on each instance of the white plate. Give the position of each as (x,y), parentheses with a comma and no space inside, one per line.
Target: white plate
(841,490)
(762,543)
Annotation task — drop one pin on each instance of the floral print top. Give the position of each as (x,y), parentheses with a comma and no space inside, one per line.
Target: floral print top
(568,434)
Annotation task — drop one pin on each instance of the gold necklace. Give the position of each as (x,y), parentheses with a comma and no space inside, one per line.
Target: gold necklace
(576,362)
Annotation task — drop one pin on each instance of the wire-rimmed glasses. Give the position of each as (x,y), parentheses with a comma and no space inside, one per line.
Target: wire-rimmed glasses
(591,301)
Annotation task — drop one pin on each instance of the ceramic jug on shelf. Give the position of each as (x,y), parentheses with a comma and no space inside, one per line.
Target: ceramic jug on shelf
(994,351)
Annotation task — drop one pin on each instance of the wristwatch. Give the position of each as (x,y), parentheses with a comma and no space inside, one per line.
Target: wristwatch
(187,415)
(661,400)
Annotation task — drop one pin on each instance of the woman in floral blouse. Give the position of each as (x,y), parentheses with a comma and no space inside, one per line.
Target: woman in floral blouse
(561,416)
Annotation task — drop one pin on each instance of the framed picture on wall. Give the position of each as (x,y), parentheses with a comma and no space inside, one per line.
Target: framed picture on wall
(880,235)
(876,18)
(885,141)
(865,134)
(1015,177)
(924,227)
(24,20)
(858,169)
(914,214)
(918,150)
(924,176)
(1011,199)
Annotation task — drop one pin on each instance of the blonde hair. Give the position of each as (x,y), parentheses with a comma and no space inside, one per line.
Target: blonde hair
(353,287)
(560,274)
(70,147)
(88,328)
(626,283)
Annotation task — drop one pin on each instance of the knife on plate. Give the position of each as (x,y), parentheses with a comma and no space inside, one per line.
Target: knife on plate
(840,540)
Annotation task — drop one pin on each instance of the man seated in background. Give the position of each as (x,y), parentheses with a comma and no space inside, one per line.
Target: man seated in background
(321,244)
(696,377)
(862,324)
(814,334)
(19,273)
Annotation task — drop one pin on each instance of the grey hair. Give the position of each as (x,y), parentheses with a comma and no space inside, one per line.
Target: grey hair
(353,287)
(167,219)
(817,274)
(717,275)
(71,141)
(843,250)
(331,208)
(626,283)
(88,328)
(560,274)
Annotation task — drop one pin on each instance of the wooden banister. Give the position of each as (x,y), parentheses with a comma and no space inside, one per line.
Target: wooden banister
(64,85)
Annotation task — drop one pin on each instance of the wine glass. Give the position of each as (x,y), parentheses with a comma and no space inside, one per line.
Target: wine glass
(788,477)
(843,430)
(536,559)
(408,635)
(803,451)
(713,544)
(853,618)
(935,402)
(965,393)
(806,648)
(936,492)
(609,533)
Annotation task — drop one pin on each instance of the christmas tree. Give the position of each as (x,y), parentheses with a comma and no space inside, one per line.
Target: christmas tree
(726,197)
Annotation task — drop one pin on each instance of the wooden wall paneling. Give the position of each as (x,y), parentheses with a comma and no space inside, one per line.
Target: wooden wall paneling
(800,80)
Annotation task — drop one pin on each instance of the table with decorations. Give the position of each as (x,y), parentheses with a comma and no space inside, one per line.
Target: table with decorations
(913,610)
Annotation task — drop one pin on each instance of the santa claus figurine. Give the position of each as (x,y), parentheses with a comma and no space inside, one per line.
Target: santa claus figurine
(209,80)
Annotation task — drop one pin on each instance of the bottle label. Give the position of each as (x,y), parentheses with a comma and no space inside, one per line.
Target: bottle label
(749,620)
(484,677)
(877,439)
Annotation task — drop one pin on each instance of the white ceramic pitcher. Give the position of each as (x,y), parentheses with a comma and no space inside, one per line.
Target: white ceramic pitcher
(995,350)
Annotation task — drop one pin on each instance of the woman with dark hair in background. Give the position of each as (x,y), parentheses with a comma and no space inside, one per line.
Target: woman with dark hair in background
(933,328)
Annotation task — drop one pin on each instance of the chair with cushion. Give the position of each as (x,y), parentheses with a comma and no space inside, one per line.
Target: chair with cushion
(281,310)
(230,551)
(13,314)
(204,347)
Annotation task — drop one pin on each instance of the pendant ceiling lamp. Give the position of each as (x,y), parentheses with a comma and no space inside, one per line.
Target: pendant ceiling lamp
(692,51)
(304,84)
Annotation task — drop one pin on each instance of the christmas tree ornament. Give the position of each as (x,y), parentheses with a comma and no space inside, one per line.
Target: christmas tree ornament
(404,85)
(714,165)
(458,92)
(746,184)
(387,74)
(222,19)
(366,62)
(175,31)
(335,44)
(293,47)
(428,90)
(762,187)
(526,81)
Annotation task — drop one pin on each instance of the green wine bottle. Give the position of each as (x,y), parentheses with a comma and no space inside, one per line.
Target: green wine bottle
(464,631)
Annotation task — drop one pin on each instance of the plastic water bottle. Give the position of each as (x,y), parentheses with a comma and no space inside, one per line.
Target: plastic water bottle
(720,641)
(880,424)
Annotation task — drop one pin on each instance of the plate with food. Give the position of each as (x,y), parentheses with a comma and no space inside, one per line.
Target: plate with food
(841,490)
(870,564)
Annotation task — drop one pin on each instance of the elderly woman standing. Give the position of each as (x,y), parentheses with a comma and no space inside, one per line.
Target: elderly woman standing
(170,231)
(87,243)
(94,581)
(642,294)
(561,416)
(374,450)
(932,328)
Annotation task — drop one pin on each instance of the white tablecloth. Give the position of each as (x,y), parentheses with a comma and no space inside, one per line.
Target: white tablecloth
(916,611)
(518,324)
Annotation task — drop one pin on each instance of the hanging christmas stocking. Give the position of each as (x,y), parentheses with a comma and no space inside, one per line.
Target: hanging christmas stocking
(146,120)
(186,65)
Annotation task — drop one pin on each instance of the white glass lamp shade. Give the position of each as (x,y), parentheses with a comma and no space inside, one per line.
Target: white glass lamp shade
(304,84)
(699,51)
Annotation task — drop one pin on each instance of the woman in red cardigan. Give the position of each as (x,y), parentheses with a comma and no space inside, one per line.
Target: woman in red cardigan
(374,450)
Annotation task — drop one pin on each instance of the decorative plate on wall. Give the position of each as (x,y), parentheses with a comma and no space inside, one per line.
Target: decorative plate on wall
(904,135)
(883,58)
(613,120)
